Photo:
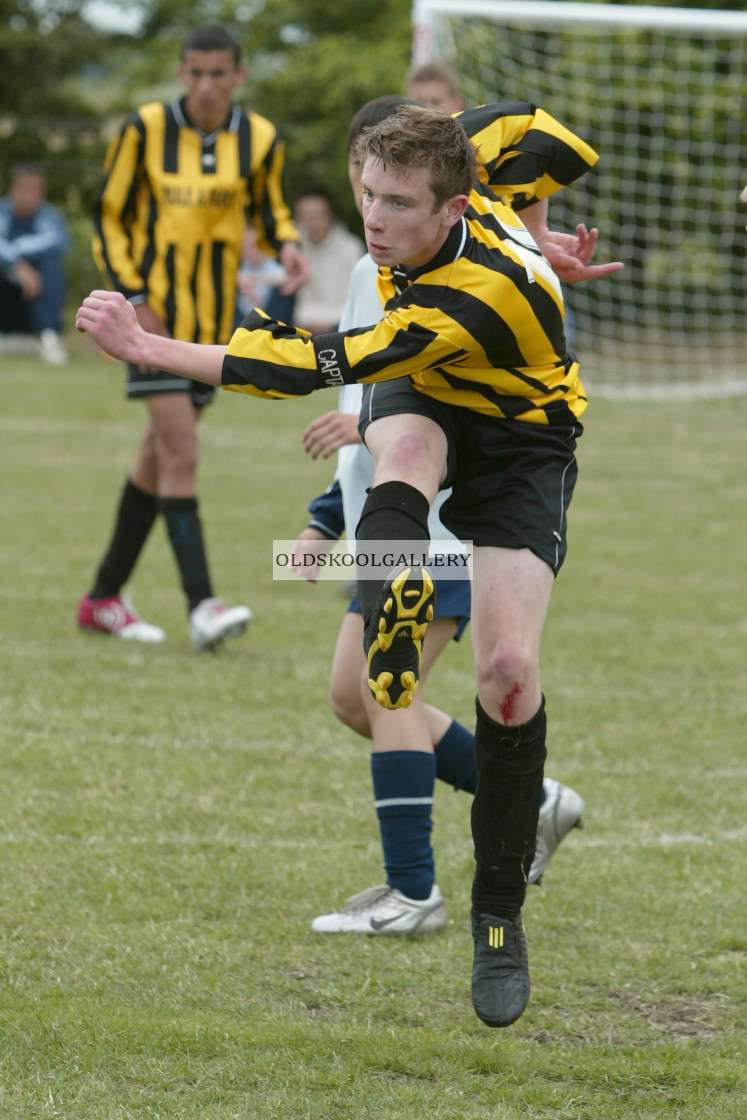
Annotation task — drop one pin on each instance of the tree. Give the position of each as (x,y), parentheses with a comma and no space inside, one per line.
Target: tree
(315,66)
(44,51)
(47,52)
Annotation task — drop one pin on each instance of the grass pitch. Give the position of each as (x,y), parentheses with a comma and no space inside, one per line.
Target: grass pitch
(171,822)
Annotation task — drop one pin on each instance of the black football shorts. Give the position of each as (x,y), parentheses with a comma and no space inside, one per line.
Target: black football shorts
(153,382)
(512,481)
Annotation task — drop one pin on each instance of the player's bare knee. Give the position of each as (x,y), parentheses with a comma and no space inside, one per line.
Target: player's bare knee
(177,461)
(408,457)
(349,709)
(509,666)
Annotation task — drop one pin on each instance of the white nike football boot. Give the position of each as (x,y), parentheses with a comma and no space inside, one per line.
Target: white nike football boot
(385,910)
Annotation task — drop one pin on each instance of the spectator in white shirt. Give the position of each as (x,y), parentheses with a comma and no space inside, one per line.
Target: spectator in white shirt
(332,251)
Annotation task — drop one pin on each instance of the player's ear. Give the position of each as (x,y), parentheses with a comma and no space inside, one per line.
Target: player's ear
(454,209)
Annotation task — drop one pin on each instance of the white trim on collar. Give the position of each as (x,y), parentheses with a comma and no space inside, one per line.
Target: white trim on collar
(208,138)
(465,233)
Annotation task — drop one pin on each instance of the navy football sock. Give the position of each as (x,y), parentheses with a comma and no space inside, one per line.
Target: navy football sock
(455,758)
(188,544)
(403,795)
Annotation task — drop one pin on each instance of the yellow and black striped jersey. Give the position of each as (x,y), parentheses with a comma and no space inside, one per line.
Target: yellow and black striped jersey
(172,209)
(523,153)
(481,325)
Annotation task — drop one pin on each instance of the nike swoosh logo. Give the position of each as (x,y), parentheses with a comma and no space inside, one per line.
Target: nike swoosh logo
(379,923)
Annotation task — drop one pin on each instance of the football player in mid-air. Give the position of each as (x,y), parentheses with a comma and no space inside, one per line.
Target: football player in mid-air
(471,386)
(414,747)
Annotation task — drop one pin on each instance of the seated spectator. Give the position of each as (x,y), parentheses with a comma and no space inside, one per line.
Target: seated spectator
(258,276)
(33,240)
(332,251)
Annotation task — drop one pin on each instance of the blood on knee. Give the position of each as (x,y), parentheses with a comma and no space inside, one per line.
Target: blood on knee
(508,704)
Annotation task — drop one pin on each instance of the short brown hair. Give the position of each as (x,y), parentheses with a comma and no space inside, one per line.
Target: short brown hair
(418,137)
(434,71)
(373,112)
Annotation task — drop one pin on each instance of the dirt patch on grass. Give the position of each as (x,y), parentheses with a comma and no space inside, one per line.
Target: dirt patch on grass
(619,1021)
(685,1018)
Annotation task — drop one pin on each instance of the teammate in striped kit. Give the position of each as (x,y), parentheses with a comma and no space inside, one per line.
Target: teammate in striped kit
(181,181)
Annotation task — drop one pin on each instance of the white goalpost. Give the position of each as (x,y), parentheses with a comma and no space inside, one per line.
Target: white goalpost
(660,94)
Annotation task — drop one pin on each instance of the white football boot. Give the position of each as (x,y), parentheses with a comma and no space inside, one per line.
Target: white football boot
(384,909)
(559,813)
(212,622)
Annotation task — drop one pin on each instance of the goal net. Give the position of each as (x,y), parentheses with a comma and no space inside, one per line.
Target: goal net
(659,93)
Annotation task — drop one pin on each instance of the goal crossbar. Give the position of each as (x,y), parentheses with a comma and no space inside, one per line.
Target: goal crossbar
(658,92)
(705,21)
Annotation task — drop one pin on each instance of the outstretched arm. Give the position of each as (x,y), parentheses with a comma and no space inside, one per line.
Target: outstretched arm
(569,255)
(113,323)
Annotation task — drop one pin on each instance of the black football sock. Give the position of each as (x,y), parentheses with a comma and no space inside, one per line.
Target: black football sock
(510,765)
(134,520)
(455,759)
(392,511)
(187,540)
